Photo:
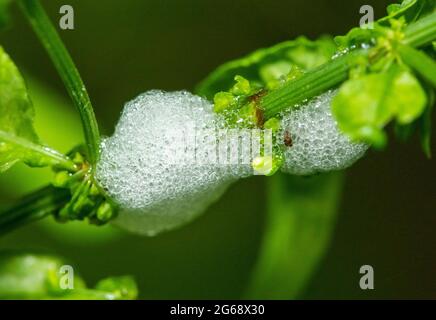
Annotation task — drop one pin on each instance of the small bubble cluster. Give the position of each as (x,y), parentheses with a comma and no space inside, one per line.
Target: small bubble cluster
(143,166)
(312,140)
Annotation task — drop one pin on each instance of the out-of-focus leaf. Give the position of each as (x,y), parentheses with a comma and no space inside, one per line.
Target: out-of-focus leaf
(38,276)
(121,287)
(364,105)
(13,149)
(4,13)
(30,276)
(301,52)
(301,216)
(18,140)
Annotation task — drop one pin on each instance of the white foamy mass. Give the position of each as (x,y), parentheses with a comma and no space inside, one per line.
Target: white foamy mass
(317,143)
(143,166)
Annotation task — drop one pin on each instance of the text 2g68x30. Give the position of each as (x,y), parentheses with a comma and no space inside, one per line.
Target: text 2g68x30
(239,309)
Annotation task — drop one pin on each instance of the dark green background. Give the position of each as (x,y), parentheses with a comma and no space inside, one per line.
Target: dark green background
(122,48)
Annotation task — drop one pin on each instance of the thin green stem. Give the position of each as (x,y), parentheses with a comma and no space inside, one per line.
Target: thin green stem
(336,71)
(51,41)
(309,85)
(34,207)
(421,32)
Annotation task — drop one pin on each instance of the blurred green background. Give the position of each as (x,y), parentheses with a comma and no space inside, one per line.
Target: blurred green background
(388,212)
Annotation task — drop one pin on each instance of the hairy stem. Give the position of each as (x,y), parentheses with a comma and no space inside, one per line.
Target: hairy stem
(336,71)
(51,41)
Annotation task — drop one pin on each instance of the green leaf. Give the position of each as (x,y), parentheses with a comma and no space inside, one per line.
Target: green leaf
(301,216)
(311,54)
(409,97)
(258,66)
(356,37)
(14,149)
(38,276)
(366,104)
(18,140)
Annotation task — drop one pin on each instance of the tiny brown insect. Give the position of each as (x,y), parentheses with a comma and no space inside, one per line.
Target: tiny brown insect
(255,98)
(287,139)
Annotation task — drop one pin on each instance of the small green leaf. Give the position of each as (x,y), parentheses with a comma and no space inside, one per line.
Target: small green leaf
(301,217)
(409,97)
(14,149)
(272,73)
(273,124)
(242,86)
(18,140)
(302,53)
(356,37)
(311,54)
(222,101)
(366,104)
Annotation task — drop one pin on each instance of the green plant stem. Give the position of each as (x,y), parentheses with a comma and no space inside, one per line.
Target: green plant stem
(336,71)
(421,32)
(33,207)
(309,85)
(420,62)
(51,41)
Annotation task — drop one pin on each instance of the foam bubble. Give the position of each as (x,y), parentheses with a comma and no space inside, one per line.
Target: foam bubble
(144,165)
(317,143)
